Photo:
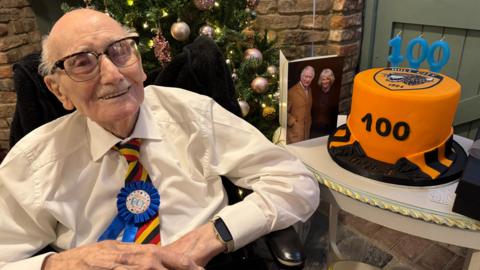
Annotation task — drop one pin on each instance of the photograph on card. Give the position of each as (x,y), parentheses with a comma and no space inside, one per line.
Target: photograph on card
(313,91)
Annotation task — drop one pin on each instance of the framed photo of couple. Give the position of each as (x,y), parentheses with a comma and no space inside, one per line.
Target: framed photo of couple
(309,94)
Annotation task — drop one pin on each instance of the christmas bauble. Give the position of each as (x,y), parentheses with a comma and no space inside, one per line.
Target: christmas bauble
(248,33)
(180,31)
(259,85)
(252,3)
(253,54)
(268,112)
(272,70)
(244,107)
(206,30)
(271,35)
(204,4)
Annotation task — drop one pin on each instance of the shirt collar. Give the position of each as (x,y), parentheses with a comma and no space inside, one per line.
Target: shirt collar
(304,88)
(101,140)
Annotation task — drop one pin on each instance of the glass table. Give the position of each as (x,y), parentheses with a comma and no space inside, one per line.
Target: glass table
(421,211)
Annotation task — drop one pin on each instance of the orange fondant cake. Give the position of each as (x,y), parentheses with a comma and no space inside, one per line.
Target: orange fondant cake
(402,114)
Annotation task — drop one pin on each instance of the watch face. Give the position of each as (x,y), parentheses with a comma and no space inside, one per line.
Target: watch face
(222,230)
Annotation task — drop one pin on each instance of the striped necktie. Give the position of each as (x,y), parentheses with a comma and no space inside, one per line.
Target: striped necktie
(149,232)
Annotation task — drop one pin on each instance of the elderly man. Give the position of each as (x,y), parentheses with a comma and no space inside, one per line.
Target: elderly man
(137,165)
(299,118)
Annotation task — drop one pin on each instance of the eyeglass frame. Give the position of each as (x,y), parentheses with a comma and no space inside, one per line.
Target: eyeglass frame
(60,64)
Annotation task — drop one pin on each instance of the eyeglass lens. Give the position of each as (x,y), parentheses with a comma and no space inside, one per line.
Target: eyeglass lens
(83,66)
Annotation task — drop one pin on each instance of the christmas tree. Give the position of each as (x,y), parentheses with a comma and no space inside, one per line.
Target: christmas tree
(165,26)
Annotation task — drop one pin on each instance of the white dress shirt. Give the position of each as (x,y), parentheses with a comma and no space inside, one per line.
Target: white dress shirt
(58,185)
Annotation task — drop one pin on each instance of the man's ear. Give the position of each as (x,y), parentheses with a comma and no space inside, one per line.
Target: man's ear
(55,88)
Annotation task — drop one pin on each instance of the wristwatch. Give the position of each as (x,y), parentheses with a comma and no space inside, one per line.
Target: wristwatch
(222,233)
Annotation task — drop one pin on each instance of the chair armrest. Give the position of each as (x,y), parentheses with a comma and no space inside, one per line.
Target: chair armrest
(284,245)
(286,248)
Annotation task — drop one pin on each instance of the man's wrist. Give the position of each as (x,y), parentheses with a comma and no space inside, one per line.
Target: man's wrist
(223,234)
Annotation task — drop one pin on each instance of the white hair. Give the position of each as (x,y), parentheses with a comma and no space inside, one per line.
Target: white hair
(308,68)
(46,63)
(326,72)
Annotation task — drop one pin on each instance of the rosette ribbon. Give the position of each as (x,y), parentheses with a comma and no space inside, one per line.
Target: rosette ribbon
(137,203)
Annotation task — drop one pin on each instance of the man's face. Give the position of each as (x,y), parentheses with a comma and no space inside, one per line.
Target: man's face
(307,77)
(115,93)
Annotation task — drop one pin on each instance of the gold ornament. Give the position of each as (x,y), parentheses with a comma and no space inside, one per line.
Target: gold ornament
(244,107)
(180,31)
(268,112)
(248,33)
(204,4)
(207,30)
(271,35)
(259,85)
(272,70)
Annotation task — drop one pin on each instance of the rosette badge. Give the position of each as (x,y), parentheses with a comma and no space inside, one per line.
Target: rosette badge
(138,202)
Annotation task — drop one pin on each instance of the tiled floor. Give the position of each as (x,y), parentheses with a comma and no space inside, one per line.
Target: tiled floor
(387,249)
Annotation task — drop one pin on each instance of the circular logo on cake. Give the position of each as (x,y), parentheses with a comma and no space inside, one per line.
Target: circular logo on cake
(401,79)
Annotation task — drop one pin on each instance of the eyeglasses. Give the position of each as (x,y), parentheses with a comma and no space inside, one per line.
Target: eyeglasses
(83,66)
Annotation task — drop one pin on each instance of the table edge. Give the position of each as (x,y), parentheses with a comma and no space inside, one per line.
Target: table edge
(459,222)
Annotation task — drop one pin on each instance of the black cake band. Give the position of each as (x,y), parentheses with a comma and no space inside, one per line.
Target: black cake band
(353,158)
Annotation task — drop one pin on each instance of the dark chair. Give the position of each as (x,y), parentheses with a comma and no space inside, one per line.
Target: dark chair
(36,105)
(200,68)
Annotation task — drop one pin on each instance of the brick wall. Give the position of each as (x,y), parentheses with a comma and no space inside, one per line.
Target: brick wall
(337,30)
(19,36)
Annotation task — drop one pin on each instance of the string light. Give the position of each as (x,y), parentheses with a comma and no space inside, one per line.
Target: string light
(164,13)
(130,2)
(263,105)
(150,43)
(216,4)
(145,25)
(218,30)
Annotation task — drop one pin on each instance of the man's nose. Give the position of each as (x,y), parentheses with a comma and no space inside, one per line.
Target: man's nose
(109,72)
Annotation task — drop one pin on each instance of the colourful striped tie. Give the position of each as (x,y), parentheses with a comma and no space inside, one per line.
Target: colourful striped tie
(149,232)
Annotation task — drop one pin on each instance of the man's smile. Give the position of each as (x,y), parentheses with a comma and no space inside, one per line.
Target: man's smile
(115,94)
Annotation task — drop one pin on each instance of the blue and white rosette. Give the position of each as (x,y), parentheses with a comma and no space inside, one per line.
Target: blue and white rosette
(137,203)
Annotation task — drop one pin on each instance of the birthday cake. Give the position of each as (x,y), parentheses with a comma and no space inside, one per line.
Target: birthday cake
(399,129)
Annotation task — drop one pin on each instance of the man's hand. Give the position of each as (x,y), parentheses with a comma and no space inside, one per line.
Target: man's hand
(200,245)
(116,255)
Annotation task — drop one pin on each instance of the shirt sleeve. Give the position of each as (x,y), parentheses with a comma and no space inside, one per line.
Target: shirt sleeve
(24,229)
(284,190)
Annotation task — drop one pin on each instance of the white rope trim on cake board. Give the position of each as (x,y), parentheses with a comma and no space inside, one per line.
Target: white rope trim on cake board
(467,224)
